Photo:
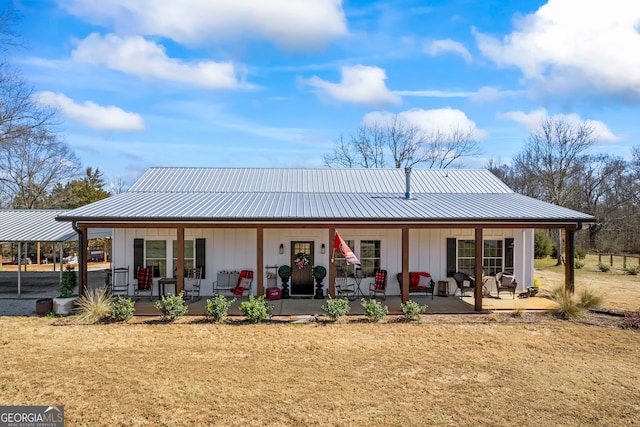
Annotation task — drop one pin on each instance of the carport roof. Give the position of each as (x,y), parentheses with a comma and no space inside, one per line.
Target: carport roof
(38,225)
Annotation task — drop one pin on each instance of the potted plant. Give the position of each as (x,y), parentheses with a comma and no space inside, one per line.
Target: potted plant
(319,273)
(285,273)
(63,303)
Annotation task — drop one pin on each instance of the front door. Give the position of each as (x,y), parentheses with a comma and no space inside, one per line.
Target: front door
(301,268)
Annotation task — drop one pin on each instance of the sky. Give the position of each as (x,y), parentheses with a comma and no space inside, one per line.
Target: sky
(246,83)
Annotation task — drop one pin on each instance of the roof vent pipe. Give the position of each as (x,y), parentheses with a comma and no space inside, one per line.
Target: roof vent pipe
(407,194)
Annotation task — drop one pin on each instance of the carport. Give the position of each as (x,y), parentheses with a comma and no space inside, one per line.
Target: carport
(24,226)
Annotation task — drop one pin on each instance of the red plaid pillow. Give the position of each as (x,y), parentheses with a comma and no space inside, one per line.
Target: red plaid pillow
(381,279)
(145,278)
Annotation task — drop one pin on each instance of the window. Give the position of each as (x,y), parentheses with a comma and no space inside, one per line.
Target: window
(369,256)
(156,256)
(341,263)
(492,257)
(189,254)
(466,256)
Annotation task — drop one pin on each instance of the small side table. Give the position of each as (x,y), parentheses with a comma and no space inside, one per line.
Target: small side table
(443,288)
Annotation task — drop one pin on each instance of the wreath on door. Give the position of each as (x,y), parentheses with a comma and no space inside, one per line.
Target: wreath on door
(301,260)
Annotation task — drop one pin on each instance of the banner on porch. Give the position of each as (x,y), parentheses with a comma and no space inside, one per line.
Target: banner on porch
(346,252)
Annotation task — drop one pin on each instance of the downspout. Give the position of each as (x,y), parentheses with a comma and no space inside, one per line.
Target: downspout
(81,264)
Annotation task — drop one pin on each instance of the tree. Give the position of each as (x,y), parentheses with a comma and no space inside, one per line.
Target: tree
(32,162)
(406,144)
(551,158)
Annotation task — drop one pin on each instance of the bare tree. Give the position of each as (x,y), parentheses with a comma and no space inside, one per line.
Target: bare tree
(31,163)
(406,144)
(550,160)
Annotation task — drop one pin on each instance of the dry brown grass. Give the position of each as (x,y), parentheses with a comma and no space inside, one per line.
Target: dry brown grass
(492,369)
(449,370)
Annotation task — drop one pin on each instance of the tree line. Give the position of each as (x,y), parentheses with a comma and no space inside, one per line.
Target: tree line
(556,165)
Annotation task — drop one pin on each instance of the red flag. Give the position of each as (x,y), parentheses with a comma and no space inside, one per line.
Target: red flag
(345,251)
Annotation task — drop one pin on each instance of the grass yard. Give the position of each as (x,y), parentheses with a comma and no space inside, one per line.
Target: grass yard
(489,369)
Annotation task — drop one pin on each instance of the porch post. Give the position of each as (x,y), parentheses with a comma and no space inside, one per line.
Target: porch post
(260,260)
(332,266)
(83,245)
(180,260)
(404,286)
(477,292)
(569,252)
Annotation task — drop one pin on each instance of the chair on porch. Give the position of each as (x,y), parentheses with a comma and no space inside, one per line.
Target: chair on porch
(379,285)
(460,279)
(144,276)
(419,282)
(119,281)
(506,282)
(343,287)
(245,279)
(192,283)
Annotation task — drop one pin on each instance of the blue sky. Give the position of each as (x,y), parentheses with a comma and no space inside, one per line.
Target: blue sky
(242,83)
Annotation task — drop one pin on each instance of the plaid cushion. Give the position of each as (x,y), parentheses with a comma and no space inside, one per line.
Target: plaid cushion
(145,278)
(238,290)
(381,280)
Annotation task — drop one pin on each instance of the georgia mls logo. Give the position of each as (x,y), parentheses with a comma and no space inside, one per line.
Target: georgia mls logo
(32,416)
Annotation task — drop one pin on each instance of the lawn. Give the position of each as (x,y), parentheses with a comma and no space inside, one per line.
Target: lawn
(488,369)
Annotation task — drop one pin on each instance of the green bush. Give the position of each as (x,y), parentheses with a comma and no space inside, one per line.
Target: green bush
(67,283)
(633,270)
(412,310)
(336,307)
(374,310)
(604,267)
(217,308)
(122,309)
(580,253)
(256,309)
(578,264)
(171,307)
(541,244)
(95,306)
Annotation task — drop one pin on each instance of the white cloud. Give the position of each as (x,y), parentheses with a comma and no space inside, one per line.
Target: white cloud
(440,119)
(438,47)
(137,56)
(286,23)
(586,47)
(532,121)
(360,84)
(434,93)
(93,115)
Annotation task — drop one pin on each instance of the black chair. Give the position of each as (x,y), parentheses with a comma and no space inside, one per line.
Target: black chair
(460,279)
(416,285)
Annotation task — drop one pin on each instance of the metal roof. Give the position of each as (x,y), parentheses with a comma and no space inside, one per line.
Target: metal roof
(34,226)
(255,180)
(209,195)
(39,225)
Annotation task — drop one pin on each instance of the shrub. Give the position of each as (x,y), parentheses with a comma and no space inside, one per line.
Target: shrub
(604,267)
(217,308)
(578,263)
(631,320)
(412,310)
(541,244)
(94,306)
(374,310)
(67,283)
(633,270)
(567,307)
(256,309)
(587,298)
(580,253)
(171,307)
(122,309)
(336,307)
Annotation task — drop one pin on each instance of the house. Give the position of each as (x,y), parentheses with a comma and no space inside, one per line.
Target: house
(397,220)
